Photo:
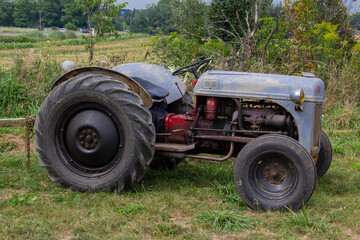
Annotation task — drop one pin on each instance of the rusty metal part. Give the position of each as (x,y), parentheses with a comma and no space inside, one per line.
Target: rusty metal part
(132,84)
(198,112)
(29,130)
(240,114)
(275,121)
(275,173)
(215,159)
(174,147)
(225,138)
(240,131)
(13,122)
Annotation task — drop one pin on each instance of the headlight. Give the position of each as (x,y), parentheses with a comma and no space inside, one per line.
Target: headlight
(298,96)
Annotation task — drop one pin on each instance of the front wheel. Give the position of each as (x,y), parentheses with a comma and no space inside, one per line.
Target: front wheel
(274,172)
(93,133)
(325,155)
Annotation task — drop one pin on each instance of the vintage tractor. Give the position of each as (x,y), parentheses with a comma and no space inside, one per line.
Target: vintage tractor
(100,129)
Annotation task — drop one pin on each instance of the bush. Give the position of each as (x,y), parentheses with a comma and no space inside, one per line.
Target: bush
(17,39)
(36,35)
(56,35)
(24,87)
(70,35)
(70,26)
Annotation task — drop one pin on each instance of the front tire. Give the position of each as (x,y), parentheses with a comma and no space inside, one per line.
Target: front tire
(325,155)
(93,133)
(274,172)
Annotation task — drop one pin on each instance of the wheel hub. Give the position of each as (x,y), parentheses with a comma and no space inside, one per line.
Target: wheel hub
(92,139)
(88,139)
(275,173)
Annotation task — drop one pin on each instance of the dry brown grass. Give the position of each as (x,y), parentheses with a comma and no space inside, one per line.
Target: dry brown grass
(125,51)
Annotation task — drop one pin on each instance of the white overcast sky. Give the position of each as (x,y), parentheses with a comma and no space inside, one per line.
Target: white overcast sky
(141,4)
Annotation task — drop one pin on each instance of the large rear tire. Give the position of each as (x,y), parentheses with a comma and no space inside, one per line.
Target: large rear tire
(93,133)
(325,155)
(274,172)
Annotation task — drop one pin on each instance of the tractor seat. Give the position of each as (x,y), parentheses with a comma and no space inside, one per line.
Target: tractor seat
(156,92)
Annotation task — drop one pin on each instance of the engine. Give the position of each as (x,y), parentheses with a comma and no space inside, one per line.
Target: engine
(217,121)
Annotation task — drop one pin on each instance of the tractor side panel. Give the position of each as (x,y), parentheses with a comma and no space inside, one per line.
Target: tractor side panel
(275,89)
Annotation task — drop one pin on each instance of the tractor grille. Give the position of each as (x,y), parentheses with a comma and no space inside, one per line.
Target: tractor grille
(317,124)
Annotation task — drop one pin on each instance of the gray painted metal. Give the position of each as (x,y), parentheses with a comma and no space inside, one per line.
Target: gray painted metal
(258,86)
(273,88)
(155,74)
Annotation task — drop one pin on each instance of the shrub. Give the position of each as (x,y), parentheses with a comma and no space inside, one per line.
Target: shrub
(70,35)
(70,26)
(17,39)
(56,35)
(39,36)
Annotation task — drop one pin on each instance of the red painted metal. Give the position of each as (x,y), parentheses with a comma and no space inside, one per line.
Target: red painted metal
(178,126)
(211,108)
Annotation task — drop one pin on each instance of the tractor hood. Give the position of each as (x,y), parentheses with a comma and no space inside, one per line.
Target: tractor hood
(258,86)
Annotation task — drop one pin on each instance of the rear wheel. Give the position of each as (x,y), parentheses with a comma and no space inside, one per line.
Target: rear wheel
(325,155)
(274,172)
(92,133)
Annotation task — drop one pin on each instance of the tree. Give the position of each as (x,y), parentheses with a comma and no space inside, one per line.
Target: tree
(101,12)
(73,13)
(6,12)
(51,12)
(224,15)
(156,19)
(304,15)
(25,14)
(355,21)
(190,16)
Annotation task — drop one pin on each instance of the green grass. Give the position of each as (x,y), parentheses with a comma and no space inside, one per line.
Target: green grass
(196,200)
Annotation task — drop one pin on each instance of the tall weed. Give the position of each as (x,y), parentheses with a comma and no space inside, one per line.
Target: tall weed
(24,87)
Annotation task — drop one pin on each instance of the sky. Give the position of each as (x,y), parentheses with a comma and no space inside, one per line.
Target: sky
(141,4)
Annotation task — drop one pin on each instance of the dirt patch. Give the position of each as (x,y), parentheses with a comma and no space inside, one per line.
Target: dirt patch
(350,233)
(7,193)
(16,142)
(66,234)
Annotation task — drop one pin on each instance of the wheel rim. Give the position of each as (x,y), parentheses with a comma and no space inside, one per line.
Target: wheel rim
(273,176)
(90,139)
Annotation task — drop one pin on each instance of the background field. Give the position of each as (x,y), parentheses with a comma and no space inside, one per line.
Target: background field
(197,200)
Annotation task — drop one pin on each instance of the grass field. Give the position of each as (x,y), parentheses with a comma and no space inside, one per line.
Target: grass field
(196,200)
(106,54)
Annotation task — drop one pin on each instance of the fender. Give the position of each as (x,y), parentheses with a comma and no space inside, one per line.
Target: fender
(133,85)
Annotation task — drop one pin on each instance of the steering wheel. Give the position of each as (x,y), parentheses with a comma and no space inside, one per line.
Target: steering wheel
(192,67)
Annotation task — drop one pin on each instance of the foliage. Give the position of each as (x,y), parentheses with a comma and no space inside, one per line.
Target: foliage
(102,12)
(73,14)
(190,17)
(156,19)
(50,12)
(25,14)
(177,50)
(24,87)
(39,36)
(70,26)
(223,15)
(17,39)
(355,21)
(6,11)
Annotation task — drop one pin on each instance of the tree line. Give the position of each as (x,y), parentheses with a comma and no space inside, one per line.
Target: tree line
(51,13)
